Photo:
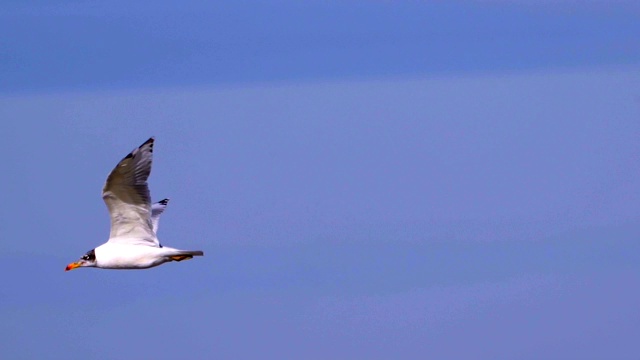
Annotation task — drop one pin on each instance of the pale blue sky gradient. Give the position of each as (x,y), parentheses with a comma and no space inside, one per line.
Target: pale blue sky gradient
(367,179)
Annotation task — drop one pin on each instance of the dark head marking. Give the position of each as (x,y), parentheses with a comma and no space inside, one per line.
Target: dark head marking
(90,255)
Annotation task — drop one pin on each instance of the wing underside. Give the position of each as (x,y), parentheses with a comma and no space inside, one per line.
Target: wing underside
(126,194)
(156,210)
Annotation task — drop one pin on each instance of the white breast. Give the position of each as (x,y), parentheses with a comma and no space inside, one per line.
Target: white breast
(123,256)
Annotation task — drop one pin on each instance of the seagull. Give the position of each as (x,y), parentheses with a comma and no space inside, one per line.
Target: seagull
(132,243)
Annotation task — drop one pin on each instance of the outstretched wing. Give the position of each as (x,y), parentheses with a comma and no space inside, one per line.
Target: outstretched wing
(156,210)
(126,194)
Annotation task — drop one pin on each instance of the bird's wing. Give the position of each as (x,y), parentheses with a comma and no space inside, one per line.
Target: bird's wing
(127,197)
(156,210)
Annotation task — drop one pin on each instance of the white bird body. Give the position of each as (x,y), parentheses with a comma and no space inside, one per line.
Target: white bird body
(133,243)
(124,256)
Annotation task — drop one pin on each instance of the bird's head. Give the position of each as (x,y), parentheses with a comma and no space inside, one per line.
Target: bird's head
(87,260)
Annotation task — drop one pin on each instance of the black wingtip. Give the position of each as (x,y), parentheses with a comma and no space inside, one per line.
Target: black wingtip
(148,142)
(163,201)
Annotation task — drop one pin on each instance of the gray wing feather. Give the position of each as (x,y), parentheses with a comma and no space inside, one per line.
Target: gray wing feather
(127,196)
(156,210)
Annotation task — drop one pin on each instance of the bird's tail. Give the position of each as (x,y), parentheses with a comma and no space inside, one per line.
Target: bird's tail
(185,255)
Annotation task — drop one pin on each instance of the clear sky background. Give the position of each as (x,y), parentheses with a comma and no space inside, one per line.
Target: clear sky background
(368,179)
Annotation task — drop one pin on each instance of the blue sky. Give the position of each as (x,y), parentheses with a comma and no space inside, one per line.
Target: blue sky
(367,179)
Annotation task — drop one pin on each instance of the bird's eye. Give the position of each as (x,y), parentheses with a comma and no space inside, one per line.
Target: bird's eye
(89,256)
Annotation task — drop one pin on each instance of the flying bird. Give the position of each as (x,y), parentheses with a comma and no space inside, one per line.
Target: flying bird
(132,243)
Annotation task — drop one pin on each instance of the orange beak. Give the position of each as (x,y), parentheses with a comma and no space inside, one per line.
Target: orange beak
(72,266)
